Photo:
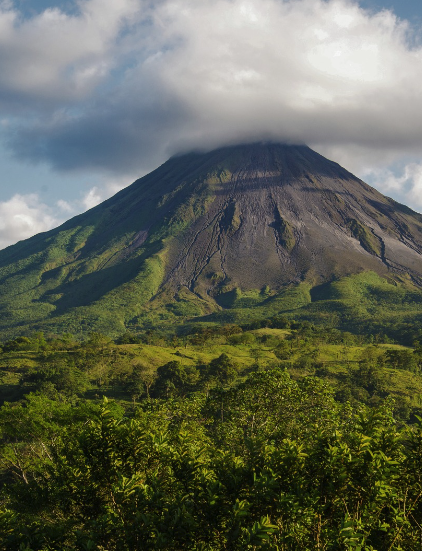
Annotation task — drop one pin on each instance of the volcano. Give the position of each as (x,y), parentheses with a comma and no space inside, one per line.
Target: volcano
(257,217)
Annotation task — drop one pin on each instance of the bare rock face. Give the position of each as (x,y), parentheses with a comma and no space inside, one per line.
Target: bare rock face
(281,214)
(203,224)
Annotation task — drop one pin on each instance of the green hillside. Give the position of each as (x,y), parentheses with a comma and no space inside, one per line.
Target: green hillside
(99,269)
(363,303)
(235,235)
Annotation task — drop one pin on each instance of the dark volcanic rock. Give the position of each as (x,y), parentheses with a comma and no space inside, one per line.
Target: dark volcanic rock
(285,213)
(241,217)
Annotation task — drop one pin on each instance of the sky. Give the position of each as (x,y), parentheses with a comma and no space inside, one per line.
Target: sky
(96,93)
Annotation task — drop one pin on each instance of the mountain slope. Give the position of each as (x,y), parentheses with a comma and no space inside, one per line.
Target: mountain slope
(200,228)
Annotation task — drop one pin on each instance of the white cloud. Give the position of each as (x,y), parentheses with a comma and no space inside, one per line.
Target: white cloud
(23,216)
(104,189)
(55,57)
(120,86)
(65,206)
(202,74)
(404,184)
(92,198)
(322,72)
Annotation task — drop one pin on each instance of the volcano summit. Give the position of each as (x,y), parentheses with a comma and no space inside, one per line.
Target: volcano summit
(202,229)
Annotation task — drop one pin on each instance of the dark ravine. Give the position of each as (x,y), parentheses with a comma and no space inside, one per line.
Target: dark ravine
(296,216)
(242,217)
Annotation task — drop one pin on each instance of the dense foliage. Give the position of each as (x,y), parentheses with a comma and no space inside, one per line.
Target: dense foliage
(275,435)
(268,464)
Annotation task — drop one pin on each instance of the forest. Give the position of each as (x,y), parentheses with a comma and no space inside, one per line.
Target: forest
(273,435)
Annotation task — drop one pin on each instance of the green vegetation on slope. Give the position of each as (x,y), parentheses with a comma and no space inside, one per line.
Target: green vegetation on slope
(243,233)
(363,303)
(98,271)
(366,238)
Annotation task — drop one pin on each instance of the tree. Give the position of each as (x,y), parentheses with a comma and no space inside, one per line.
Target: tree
(174,378)
(402,359)
(128,338)
(64,376)
(286,468)
(20,343)
(141,380)
(98,342)
(222,369)
(283,350)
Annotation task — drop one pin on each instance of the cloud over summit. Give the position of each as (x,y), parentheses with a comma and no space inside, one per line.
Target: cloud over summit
(122,85)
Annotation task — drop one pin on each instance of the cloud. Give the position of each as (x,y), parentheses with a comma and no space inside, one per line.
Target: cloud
(404,183)
(112,89)
(56,59)
(121,86)
(23,216)
(99,193)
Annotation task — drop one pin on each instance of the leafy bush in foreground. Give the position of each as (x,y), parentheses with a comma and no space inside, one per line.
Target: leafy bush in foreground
(270,464)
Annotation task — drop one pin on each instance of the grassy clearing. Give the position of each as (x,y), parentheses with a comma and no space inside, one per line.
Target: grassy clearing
(361,370)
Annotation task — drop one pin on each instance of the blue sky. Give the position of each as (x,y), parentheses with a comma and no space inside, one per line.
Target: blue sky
(96,93)
(406,9)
